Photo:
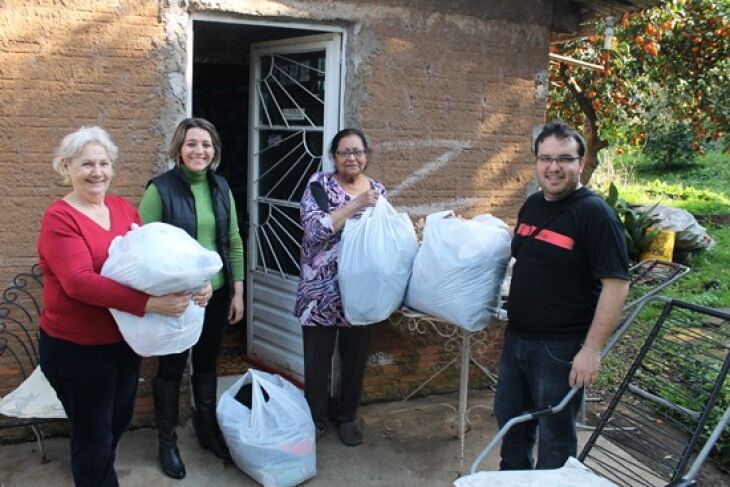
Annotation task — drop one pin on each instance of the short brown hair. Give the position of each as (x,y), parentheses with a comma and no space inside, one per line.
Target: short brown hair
(178,139)
(561,130)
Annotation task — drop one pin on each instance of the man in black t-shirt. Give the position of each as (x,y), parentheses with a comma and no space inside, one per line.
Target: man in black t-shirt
(569,284)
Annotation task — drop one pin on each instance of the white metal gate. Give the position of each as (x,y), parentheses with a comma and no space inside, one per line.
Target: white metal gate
(294,112)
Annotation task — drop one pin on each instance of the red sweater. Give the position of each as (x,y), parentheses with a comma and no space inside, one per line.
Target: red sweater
(72,248)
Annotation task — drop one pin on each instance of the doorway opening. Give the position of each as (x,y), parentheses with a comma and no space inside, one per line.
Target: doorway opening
(221,93)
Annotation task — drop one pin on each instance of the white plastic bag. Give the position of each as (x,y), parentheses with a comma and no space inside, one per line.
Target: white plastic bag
(274,440)
(155,334)
(458,271)
(572,474)
(34,398)
(690,235)
(159,259)
(374,260)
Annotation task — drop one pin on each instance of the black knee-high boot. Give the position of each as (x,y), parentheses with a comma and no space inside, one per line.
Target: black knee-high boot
(166,396)
(204,419)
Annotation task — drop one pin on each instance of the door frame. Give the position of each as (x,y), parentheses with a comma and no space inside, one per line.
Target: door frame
(295,25)
(316,28)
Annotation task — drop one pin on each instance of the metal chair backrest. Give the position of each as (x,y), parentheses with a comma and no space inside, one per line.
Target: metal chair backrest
(668,400)
(20,310)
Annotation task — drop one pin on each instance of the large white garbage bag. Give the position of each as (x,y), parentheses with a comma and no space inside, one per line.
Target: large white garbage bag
(572,474)
(458,271)
(159,259)
(374,260)
(273,441)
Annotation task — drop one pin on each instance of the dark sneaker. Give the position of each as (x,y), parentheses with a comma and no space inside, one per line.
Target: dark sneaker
(320,432)
(350,433)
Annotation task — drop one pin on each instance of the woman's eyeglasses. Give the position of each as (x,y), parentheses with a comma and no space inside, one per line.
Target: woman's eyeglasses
(358,153)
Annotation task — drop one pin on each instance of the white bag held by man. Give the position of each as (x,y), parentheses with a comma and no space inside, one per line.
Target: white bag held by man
(159,259)
(458,271)
(374,260)
(273,440)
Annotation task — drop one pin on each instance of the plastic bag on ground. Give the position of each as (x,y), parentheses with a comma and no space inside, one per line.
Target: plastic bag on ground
(690,235)
(374,260)
(273,441)
(458,271)
(572,474)
(34,398)
(159,259)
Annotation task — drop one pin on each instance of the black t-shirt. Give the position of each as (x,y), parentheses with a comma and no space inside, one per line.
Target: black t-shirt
(556,277)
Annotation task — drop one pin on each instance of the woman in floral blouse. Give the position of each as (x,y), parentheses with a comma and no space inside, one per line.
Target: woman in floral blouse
(348,192)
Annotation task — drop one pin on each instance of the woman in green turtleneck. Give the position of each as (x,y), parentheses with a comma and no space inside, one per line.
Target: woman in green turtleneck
(193,197)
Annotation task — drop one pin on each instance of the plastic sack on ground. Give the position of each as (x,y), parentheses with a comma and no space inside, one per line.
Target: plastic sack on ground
(159,259)
(374,260)
(273,441)
(572,474)
(34,398)
(690,235)
(458,271)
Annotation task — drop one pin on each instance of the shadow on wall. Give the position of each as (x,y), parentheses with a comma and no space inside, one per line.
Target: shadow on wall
(61,68)
(450,111)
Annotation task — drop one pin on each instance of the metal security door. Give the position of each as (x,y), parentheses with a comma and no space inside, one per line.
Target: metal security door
(294,112)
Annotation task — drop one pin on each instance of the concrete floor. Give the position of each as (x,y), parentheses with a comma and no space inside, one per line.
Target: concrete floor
(406,444)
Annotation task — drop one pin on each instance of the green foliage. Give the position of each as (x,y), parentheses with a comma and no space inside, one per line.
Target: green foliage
(640,228)
(669,64)
(708,283)
(670,147)
(701,189)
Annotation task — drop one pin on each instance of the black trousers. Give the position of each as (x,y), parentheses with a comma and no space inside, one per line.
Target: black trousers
(97,386)
(319,346)
(205,352)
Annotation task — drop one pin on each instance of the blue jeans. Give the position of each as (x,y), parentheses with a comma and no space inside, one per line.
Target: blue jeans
(533,374)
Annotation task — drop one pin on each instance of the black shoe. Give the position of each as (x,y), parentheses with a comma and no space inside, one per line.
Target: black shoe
(319,432)
(204,417)
(166,395)
(350,433)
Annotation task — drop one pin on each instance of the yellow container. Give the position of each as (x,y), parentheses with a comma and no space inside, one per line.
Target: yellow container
(662,248)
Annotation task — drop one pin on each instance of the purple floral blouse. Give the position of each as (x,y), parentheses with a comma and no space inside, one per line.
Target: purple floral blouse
(318,297)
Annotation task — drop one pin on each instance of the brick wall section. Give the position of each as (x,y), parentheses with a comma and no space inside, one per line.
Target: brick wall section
(446,94)
(63,66)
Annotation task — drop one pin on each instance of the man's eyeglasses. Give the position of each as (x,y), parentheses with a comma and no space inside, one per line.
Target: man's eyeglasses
(358,153)
(547,160)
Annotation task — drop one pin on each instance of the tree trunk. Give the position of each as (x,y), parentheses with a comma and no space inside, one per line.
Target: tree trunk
(590,129)
(594,144)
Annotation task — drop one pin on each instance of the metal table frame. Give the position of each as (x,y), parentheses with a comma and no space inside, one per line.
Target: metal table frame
(462,344)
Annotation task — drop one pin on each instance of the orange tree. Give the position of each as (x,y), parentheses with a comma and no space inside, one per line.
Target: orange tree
(668,65)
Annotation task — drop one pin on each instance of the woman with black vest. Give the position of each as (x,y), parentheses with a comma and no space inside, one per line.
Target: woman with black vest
(193,197)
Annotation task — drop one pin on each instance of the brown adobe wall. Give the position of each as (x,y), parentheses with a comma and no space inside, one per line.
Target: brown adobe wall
(446,94)
(62,66)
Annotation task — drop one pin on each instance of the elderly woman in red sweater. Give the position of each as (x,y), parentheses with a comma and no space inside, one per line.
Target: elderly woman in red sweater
(82,353)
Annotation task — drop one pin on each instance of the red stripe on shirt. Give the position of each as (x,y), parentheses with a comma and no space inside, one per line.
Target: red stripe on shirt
(555,238)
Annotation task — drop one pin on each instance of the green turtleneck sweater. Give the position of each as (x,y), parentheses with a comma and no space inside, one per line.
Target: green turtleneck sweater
(150,209)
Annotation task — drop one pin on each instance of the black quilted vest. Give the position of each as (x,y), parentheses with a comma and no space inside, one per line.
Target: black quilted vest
(178,209)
